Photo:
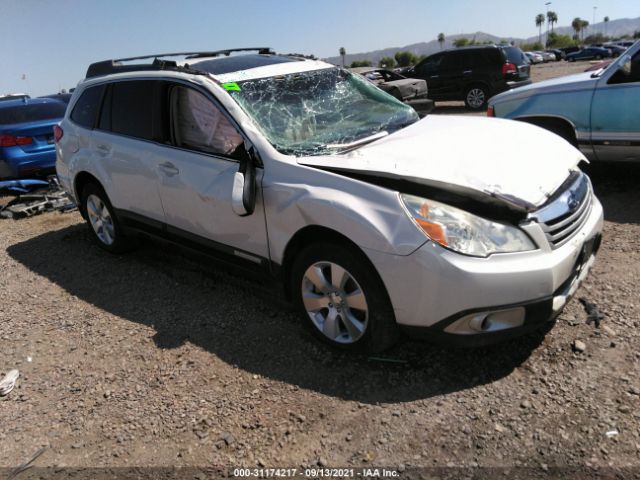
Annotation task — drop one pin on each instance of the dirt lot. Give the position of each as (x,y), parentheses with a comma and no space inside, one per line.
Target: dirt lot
(151,359)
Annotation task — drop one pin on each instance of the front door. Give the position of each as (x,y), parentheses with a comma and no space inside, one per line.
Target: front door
(615,123)
(196,178)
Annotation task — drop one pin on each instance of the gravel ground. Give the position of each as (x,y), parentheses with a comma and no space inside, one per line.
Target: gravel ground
(154,360)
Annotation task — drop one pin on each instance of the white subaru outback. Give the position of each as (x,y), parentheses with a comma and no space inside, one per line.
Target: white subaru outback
(375,221)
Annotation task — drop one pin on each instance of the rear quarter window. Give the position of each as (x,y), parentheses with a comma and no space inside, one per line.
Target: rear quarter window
(32,113)
(86,108)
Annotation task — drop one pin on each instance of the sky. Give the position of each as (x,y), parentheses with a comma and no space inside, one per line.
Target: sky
(47,45)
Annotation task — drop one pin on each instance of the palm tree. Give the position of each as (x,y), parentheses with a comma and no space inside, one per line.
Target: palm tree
(343,52)
(606,22)
(577,26)
(539,23)
(583,28)
(441,40)
(552,18)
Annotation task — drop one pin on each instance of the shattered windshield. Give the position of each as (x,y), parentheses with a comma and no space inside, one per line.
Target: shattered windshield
(314,113)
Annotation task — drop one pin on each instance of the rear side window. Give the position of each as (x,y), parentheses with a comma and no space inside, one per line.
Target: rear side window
(32,113)
(514,55)
(133,107)
(86,108)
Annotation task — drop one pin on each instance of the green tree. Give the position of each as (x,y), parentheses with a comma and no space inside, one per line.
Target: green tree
(528,47)
(636,34)
(461,42)
(387,62)
(343,52)
(560,41)
(606,23)
(405,59)
(441,39)
(539,23)
(577,26)
(361,63)
(552,18)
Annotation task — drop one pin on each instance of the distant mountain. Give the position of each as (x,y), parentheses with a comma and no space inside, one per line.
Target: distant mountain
(614,28)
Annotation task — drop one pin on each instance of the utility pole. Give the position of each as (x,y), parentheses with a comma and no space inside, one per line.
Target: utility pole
(594,20)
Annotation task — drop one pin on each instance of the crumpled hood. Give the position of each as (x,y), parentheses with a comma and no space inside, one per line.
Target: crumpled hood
(503,158)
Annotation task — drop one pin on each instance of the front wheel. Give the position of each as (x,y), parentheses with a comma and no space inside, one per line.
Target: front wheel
(342,300)
(476,97)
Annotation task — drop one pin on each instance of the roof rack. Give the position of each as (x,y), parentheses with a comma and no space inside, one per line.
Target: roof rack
(107,67)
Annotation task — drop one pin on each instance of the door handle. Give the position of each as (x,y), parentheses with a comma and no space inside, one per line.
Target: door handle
(435,76)
(102,148)
(169,169)
(467,72)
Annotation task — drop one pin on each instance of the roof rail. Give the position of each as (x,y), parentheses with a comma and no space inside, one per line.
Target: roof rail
(114,66)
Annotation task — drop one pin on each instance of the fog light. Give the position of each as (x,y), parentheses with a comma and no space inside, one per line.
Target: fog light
(490,321)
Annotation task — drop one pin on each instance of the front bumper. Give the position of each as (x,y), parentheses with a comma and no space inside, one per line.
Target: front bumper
(474,301)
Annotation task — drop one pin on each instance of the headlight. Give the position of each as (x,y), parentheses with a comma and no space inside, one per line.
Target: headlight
(464,232)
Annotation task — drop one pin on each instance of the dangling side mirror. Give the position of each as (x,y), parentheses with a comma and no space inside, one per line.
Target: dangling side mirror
(243,194)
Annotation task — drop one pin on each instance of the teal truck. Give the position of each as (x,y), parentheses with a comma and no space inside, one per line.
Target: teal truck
(598,112)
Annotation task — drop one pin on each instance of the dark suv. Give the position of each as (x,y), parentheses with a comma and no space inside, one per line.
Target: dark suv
(473,74)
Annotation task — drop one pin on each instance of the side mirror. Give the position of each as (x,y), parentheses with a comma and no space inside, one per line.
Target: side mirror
(243,194)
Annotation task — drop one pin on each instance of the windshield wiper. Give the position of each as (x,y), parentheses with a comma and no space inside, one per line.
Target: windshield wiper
(358,143)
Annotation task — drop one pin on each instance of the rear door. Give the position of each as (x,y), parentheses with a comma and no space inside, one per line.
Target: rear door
(615,123)
(125,139)
(197,173)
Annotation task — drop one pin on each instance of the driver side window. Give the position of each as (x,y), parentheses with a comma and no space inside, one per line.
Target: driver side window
(628,72)
(197,124)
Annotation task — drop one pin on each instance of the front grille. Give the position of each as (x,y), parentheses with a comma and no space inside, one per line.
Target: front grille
(563,216)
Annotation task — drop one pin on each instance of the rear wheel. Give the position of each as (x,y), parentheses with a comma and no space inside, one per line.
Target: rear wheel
(342,299)
(102,220)
(476,97)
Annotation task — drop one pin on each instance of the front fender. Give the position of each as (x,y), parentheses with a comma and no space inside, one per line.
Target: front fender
(370,216)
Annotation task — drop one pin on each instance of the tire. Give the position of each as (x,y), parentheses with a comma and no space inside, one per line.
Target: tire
(598,57)
(476,97)
(351,311)
(102,221)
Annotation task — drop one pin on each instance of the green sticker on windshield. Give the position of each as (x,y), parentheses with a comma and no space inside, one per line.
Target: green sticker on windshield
(231,87)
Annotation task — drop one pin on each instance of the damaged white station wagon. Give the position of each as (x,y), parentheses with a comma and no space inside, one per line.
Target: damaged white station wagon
(375,221)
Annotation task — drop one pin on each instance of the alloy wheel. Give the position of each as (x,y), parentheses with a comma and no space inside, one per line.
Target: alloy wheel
(335,302)
(476,97)
(100,219)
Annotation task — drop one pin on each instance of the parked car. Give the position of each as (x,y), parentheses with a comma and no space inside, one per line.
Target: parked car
(371,218)
(63,97)
(589,53)
(559,54)
(595,111)
(473,74)
(615,50)
(13,96)
(26,136)
(534,58)
(546,56)
(568,50)
(411,91)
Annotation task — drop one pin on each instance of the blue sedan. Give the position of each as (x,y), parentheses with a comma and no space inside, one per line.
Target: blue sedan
(26,136)
(590,53)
